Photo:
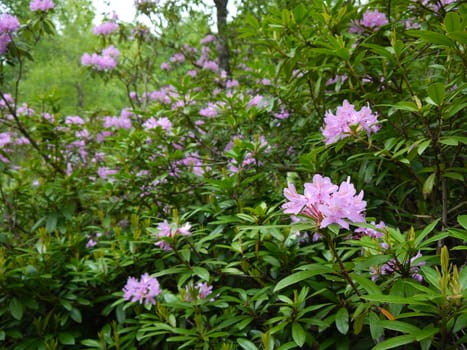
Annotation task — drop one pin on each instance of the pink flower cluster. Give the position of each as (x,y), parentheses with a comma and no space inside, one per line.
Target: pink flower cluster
(326,203)
(8,25)
(41,5)
(106,61)
(201,291)
(374,19)
(171,231)
(347,121)
(162,122)
(143,290)
(106,28)
(394,266)
(371,20)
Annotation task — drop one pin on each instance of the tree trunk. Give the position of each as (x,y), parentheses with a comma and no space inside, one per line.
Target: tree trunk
(223,37)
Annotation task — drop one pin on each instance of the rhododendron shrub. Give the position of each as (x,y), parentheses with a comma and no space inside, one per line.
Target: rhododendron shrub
(311,197)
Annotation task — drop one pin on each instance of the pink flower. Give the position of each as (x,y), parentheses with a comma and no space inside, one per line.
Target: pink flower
(8,23)
(325,203)
(201,291)
(164,123)
(165,66)
(394,266)
(210,111)
(283,114)
(171,231)
(4,41)
(41,5)
(76,120)
(370,232)
(210,65)
(256,101)
(178,57)
(373,19)
(105,28)
(105,172)
(122,122)
(106,61)
(143,290)
(208,39)
(346,121)
(5,138)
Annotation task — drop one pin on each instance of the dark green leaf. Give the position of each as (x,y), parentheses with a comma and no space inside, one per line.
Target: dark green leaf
(66,338)
(342,320)
(16,308)
(313,270)
(436,92)
(76,315)
(394,342)
(246,344)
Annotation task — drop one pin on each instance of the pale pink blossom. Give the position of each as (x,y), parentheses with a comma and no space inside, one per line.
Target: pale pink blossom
(41,5)
(143,290)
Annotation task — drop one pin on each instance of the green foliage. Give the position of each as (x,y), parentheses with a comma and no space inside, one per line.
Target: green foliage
(180,173)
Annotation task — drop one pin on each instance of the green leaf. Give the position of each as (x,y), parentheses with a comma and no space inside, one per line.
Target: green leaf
(313,270)
(452,22)
(400,326)
(393,299)
(376,330)
(461,323)
(394,342)
(436,92)
(428,184)
(342,320)
(66,338)
(16,308)
(406,106)
(51,223)
(246,344)
(201,272)
(419,238)
(427,333)
(75,314)
(423,146)
(462,220)
(298,334)
(91,343)
(460,36)
(366,284)
(432,37)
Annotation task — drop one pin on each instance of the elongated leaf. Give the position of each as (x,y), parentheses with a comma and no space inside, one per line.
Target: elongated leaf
(462,220)
(201,272)
(394,299)
(400,326)
(16,309)
(428,184)
(342,320)
(367,284)
(436,92)
(314,270)
(395,342)
(246,344)
(425,232)
(298,334)
(432,37)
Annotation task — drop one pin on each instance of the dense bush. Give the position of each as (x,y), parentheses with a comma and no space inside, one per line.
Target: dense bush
(312,197)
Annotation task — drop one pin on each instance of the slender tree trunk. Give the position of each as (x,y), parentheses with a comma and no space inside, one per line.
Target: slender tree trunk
(223,37)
